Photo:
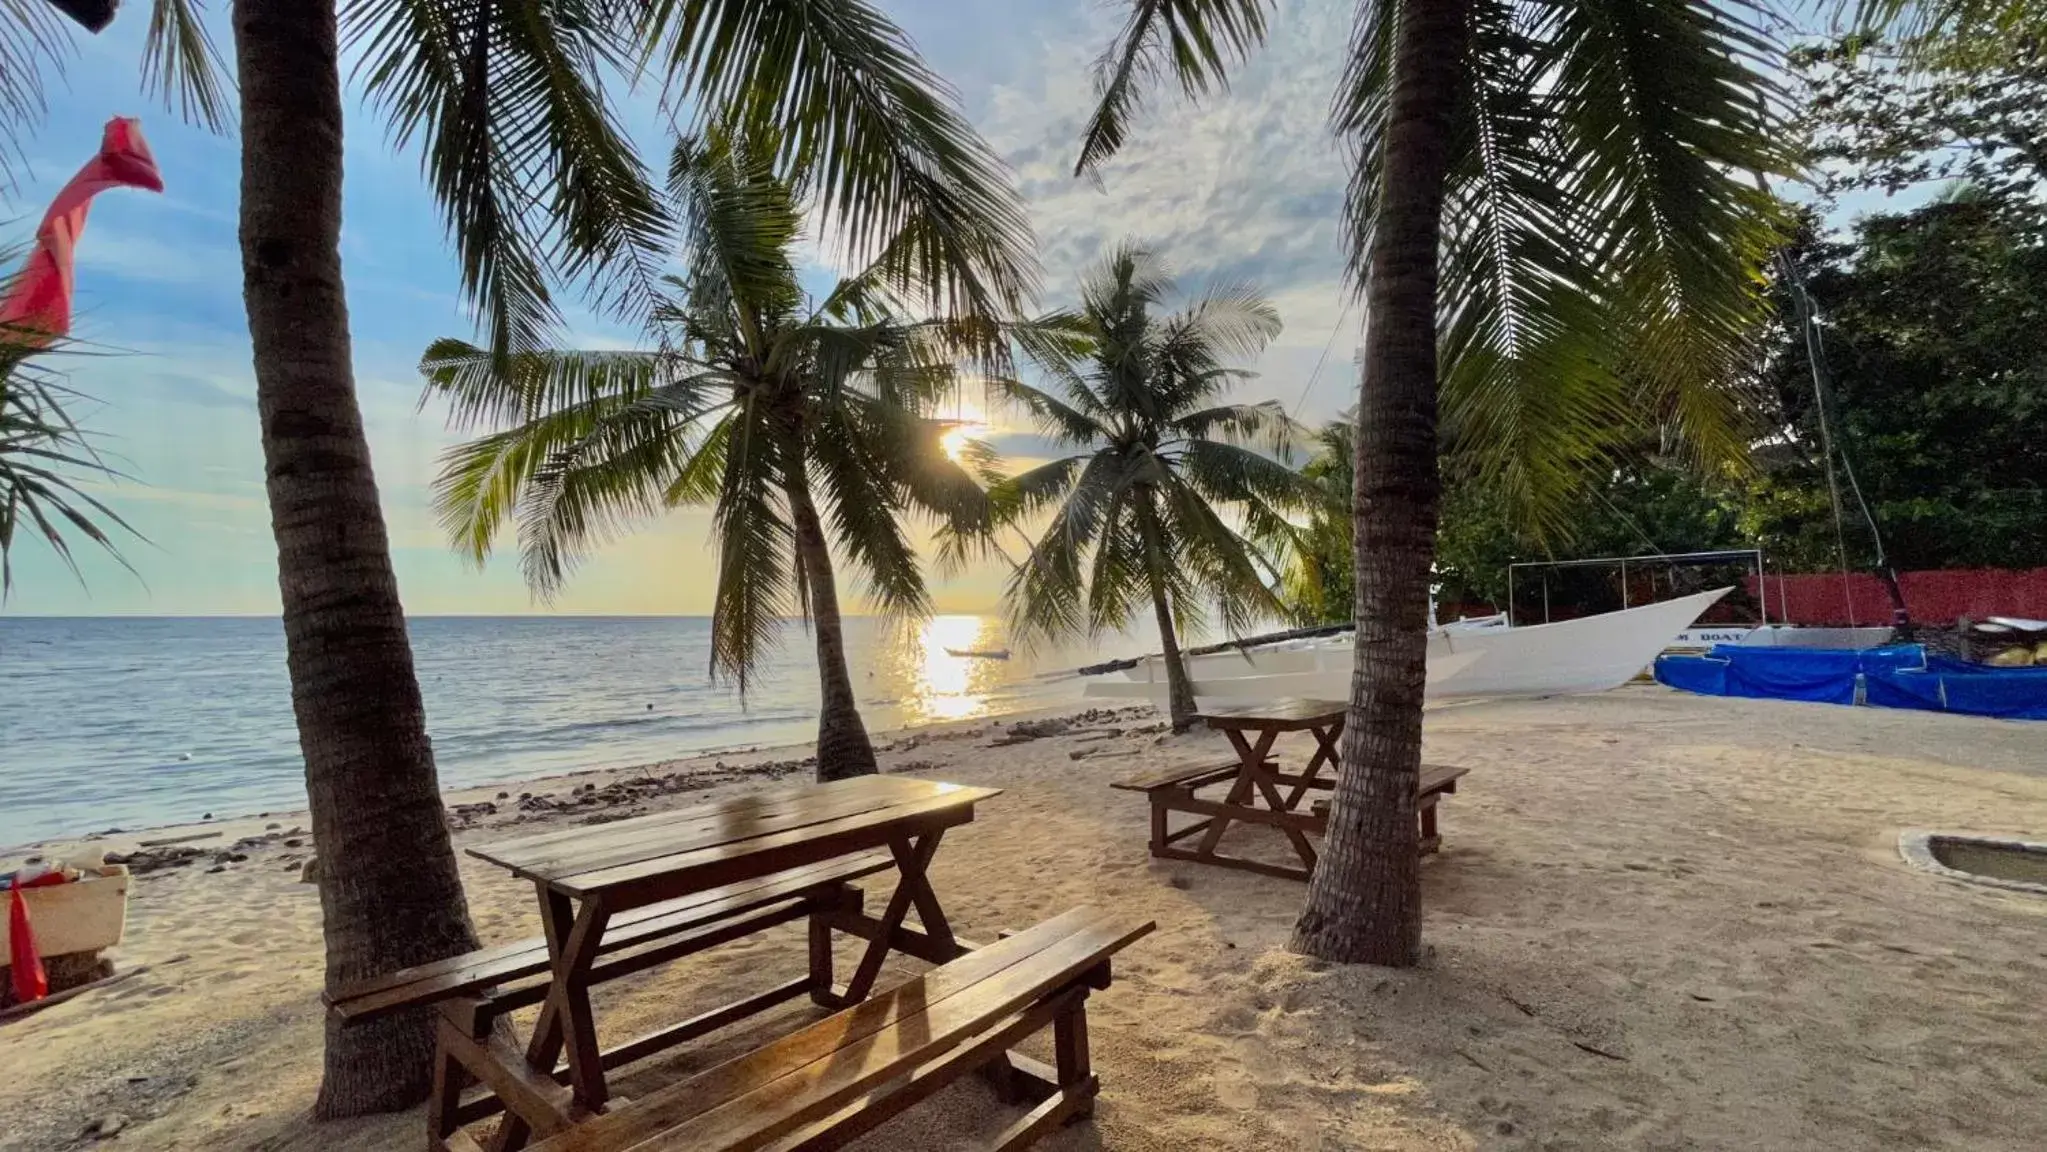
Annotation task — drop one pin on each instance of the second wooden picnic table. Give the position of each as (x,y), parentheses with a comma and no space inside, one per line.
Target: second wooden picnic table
(586,877)
(1252,730)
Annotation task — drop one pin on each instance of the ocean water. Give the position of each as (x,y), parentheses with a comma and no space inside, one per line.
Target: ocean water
(124,721)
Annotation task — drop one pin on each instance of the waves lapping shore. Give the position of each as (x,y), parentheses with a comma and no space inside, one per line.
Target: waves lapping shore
(121,722)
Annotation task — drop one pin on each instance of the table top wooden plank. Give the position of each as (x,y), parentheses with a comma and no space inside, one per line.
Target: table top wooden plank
(676,1104)
(534,846)
(657,876)
(608,845)
(1283,715)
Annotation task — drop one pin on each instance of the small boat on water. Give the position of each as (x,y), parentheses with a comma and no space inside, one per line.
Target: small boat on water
(1475,658)
(979,653)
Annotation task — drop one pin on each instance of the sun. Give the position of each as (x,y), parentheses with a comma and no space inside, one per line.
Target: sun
(955,439)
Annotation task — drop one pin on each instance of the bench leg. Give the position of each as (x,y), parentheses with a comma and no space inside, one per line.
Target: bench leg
(1070,1057)
(823,986)
(1430,841)
(468,1016)
(1075,1086)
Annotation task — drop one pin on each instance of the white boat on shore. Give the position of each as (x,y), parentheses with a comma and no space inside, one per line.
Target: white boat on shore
(1471,659)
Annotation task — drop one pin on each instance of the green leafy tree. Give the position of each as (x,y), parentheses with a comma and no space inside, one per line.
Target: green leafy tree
(1935,363)
(1551,217)
(802,427)
(1640,502)
(510,106)
(1971,105)
(1143,510)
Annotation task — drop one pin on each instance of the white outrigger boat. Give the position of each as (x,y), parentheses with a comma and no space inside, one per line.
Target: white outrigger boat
(1470,658)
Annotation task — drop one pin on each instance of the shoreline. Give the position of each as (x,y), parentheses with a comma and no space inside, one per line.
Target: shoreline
(693,771)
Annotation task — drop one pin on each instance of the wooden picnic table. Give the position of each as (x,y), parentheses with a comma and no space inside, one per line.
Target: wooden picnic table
(1252,730)
(587,876)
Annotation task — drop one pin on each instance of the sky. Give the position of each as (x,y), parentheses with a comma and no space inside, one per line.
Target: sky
(1245,185)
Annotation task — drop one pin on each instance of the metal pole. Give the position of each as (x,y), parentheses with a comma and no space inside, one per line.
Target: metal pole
(1762,589)
(1545,596)
(1624,583)
(1510,595)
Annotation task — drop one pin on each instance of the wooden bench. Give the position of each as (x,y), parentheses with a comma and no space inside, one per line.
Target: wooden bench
(475,989)
(834,1080)
(1177,776)
(1437,781)
(1169,788)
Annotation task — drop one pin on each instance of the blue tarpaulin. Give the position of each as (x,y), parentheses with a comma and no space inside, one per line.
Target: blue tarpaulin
(1948,685)
(1899,676)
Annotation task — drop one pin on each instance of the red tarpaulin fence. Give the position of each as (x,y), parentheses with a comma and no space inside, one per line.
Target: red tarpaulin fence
(1941,596)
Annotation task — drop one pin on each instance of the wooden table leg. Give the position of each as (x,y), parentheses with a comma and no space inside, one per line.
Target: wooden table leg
(1326,752)
(1250,758)
(572,990)
(912,858)
(1272,797)
(565,1021)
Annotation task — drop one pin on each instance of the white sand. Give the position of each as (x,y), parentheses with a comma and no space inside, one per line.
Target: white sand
(1657,922)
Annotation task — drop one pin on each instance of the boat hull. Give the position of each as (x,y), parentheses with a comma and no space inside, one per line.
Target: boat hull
(1317,684)
(1590,654)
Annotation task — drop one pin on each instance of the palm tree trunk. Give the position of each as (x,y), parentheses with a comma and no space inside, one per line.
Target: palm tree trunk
(389,889)
(1364,903)
(843,749)
(1179,689)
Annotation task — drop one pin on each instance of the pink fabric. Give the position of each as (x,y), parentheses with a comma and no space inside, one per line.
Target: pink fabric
(40,299)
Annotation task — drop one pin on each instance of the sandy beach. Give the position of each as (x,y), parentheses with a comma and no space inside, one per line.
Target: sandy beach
(1657,922)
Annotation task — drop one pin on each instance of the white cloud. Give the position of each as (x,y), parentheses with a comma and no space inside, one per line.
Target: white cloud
(1247,183)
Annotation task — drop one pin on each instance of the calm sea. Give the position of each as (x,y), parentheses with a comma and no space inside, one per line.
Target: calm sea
(120,722)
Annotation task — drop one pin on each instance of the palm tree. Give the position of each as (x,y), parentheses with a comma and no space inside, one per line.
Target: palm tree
(510,105)
(804,427)
(1315,557)
(1143,509)
(1550,214)
(45,459)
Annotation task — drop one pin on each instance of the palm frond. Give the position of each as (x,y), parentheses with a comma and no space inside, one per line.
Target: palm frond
(757,580)
(1264,425)
(1531,384)
(34,43)
(739,222)
(1220,561)
(1667,109)
(46,458)
(1232,319)
(483,391)
(1046,594)
(182,67)
(863,510)
(535,177)
(1197,41)
(866,128)
(1054,416)
(1118,580)
(1227,474)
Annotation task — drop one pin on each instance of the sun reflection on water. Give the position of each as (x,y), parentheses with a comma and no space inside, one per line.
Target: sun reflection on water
(947,687)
